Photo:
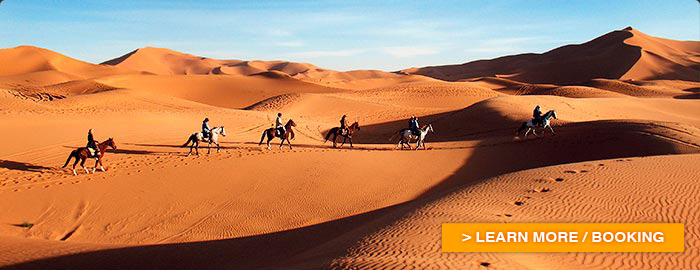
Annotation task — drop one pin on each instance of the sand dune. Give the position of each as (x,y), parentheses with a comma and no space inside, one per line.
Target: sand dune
(609,190)
(626,146)
(168,62)
(636,56)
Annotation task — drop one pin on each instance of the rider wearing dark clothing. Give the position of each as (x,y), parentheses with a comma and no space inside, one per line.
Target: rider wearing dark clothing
(92,144)
(537,115)
(206,130)
(413,126)
(343,125)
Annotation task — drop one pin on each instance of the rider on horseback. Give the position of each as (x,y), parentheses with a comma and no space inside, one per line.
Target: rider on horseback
(206,130)
(343,126)
(537,116)
(279,127)
(413,126)
(92,145)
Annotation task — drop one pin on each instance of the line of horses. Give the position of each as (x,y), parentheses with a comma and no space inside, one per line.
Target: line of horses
(405,137)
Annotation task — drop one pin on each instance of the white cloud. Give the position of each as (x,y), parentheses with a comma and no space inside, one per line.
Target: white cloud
(315,54)
(401,52)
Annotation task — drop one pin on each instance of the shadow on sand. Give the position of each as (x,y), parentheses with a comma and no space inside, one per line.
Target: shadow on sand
(23,166)
(317,245)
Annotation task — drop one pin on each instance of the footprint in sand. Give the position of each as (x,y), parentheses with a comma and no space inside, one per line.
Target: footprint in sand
(544,180)
(571,171)
(583,171)
(540,190)
(559,179)
(485,264)
(519,203)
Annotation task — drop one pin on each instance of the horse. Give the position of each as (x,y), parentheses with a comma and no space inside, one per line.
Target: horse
(197,137)
(336,131)
(544,124)
(271,134)
(406,135)
(82,154)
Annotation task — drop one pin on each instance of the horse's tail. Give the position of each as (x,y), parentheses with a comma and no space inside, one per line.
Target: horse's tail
(262,137)
(522,127)
(72,153)
(190,139)
(329,134)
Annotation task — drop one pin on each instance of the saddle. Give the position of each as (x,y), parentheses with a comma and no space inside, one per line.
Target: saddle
(279,132)
(92,153)
(537,121)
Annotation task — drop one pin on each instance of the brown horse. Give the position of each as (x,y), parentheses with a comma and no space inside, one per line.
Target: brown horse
(271,134)
(82,154)
(336,131)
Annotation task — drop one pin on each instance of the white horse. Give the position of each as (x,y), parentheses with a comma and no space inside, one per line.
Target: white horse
(197,137)
(406,135)
(544,124)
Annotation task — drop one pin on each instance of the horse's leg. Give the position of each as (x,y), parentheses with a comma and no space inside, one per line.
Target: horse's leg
(351,142)
(77,159)
(344,139)
(268,141)
(196,148)
(527,132)
(290,143)
(550,128)
(209,148)
(335,137)
(97,161)
(218,150)
(82,164)
(102,167)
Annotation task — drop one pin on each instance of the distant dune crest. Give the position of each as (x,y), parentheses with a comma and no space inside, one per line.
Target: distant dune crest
(624,54)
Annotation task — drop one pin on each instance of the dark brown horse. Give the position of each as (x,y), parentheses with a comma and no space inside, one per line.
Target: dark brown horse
(82,154)
(271,134)
(336,131)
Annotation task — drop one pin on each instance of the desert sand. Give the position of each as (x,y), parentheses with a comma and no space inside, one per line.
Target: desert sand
(626,149)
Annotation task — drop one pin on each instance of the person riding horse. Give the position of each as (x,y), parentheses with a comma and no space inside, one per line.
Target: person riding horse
(343,126)
(537,115)
(279,127)
(92,145)
(413,125)
(206,130)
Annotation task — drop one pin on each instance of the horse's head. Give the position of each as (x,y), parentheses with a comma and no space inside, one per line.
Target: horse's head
(110,143)
(291,123)
(554,114)
(355,126)
(223,131)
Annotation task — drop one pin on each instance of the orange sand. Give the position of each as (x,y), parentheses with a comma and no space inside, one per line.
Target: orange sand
(626,150)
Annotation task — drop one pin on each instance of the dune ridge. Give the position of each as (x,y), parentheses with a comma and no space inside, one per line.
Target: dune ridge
(625,150)
(637,56)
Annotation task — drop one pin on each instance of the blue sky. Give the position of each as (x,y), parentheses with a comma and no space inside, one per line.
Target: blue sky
(342,35)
